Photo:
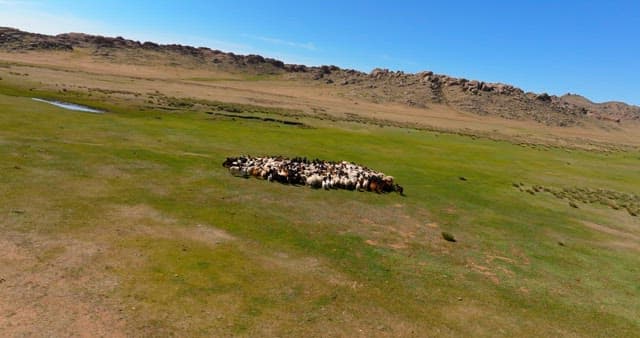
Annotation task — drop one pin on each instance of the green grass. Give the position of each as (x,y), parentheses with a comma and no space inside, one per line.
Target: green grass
(69,171)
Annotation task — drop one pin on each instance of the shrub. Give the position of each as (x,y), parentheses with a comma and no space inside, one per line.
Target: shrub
(448,237)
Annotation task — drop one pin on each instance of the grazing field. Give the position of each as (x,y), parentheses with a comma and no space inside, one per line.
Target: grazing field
(126,223)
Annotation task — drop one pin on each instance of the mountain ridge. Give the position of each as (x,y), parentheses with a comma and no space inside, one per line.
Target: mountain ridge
(380,85)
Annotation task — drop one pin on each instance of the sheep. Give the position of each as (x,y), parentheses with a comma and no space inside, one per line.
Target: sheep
(313,173)
(237,171)
(315,181)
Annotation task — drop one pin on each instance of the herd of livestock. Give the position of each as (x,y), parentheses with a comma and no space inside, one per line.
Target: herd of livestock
(314,173)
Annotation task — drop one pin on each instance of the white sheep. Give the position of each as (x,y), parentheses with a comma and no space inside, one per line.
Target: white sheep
(315,181)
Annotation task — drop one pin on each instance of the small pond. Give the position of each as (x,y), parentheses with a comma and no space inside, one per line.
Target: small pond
(70,106)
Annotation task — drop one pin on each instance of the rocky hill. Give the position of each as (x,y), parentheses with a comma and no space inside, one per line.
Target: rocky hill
(380,85)
(478,97)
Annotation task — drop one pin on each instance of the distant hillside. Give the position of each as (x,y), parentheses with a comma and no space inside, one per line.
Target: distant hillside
(419,90)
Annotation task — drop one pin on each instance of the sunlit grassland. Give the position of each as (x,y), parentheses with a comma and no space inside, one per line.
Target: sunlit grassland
(304,261)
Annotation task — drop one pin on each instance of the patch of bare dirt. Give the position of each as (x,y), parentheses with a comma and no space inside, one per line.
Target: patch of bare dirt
(497,267)
(307,266)
(611,231)
(111,171)
(64,286)
(624,239)
(144,220)
(51,287)
(484,270)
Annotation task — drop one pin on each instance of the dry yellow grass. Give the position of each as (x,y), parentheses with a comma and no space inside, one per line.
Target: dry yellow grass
(79,71)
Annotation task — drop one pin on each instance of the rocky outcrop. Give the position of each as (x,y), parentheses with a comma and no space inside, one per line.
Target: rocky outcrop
(483,98)
(15,40)
(608,111)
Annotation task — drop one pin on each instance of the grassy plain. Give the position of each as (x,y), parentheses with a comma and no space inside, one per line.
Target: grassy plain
(128,222)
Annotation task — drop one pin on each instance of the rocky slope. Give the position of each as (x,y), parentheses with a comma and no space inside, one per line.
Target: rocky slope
(380,85)
(484,98)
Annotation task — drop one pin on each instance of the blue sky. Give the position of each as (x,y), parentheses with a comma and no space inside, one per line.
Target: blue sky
(586,47)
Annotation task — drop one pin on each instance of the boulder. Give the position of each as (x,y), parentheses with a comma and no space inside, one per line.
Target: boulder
(500,88)
(378,73)
(452,81)
(544,97)
(296,68)
(325,70)
(253,59)
(473,84)
(275,63)
(487,87)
